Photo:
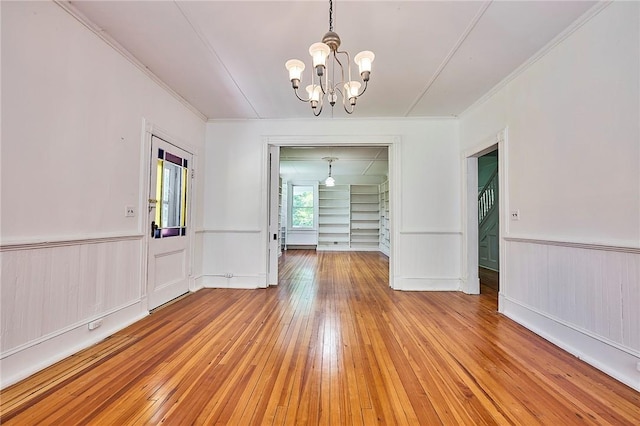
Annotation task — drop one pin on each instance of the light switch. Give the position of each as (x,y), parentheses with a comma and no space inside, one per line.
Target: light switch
(515,214)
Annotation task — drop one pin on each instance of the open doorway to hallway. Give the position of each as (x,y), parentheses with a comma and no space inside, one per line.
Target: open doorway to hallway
(489,223)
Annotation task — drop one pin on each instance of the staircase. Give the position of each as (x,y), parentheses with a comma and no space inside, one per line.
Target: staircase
(488,224)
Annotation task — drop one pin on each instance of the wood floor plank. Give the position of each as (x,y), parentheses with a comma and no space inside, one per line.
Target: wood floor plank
(331,344)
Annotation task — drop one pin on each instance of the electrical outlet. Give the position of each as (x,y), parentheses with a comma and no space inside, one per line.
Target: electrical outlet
(129,211)
(228,275)
(95,324)
(515,214)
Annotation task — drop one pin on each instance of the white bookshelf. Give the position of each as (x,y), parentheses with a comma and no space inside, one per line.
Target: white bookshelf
(385,235)
(334,217)
(282,216)
(365,217)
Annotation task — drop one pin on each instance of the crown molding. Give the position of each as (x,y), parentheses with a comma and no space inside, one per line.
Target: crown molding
(576,25)
(84,20)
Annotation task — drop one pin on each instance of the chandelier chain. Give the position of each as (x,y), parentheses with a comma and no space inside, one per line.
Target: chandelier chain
(330,15)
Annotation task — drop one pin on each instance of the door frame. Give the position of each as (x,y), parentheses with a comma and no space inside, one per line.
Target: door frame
(471,282)
(392,142)
(150,129)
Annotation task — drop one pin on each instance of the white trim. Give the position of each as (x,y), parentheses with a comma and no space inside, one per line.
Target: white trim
(609,342)
(102,35)
(332,140)
(566,33)
(154,130)
(66,329)
(499,140)
(428,283)
(622,248)
(228,231)
(393,143)
(240,282)
(617,361)
(429,232)
(53,242)
(326,247)
(47,352)
(333,119)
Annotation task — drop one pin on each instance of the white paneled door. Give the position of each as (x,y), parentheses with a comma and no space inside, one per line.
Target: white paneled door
(169,212)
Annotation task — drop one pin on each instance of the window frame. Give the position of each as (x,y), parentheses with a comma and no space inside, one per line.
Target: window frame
(290,208)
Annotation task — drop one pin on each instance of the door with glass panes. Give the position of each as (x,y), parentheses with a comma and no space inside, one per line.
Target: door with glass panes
(169,242)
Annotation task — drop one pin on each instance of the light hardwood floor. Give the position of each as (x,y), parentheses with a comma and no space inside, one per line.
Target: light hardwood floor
(331,344)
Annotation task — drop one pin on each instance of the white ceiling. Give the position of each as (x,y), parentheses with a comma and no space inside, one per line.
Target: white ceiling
(352,162)
(226,58)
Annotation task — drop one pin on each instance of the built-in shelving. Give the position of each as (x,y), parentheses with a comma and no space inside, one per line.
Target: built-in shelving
(354,217)
(365,217)
(282,217)
(333,217)
(384,237)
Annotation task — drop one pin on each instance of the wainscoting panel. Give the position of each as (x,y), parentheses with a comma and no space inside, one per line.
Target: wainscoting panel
(428,260)
(233,258)
(51,289)
(583,298)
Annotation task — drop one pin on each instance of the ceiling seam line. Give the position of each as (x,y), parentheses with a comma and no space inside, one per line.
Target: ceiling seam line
(212,51)
(366,169)
(450,55)
(371,163)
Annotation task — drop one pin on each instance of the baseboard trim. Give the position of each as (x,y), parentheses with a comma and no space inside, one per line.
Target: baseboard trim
(427,284)
(240,282)
(619,363)
(22,364)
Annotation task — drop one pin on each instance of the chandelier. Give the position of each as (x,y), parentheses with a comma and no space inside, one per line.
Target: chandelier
(325,86)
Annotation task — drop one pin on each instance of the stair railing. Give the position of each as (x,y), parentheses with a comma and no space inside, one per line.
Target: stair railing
(488,197)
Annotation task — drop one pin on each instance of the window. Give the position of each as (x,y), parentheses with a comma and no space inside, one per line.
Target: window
(302,206)
(171,193)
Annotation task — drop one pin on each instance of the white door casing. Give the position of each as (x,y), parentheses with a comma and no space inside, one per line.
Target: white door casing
(169,248)
(274,214)
(395,206)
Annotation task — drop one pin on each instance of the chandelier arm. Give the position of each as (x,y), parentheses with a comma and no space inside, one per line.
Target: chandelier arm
(338,85)
(344,102)
(348,64)
(366,83)
(319,110)
(298,96)
(335,55)
(326,83)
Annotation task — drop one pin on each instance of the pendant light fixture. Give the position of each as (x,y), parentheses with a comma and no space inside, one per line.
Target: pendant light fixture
(330,181)
(325,62)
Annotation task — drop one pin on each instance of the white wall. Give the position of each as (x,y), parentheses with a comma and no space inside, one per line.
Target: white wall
(73,114)
(426,235)
(571,268)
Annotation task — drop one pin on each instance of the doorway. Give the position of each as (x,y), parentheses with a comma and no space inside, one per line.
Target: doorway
(390,146)
(489,223)
(169,237)
(476,208)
